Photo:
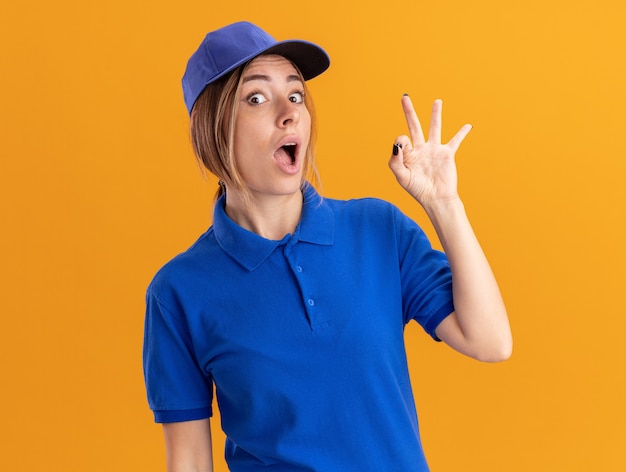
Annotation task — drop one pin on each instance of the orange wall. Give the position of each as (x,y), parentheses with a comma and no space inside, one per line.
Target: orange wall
(99,188)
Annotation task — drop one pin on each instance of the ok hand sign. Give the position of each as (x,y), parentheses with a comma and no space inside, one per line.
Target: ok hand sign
(426,169)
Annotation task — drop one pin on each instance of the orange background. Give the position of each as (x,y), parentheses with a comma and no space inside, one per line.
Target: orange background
(99,188)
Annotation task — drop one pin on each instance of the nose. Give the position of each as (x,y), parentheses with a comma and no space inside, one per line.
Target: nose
(289,114)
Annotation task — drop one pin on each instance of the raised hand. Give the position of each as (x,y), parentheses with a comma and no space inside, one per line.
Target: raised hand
(426,169)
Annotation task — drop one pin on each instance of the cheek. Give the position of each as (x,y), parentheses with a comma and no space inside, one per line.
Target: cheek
(250,143)
(305,122)
(244,134)
(249,128)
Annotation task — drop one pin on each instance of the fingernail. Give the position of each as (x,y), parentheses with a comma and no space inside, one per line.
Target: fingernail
(400,145)
(395,149)
(405,95)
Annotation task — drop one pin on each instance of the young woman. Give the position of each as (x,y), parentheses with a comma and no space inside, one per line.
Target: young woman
(293,306)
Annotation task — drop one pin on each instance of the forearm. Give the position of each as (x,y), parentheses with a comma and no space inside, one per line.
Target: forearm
(481,327)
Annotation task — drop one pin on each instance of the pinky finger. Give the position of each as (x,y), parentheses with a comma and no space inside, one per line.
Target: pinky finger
(458,138)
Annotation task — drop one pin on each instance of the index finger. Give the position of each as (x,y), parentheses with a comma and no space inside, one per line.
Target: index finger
(415,128)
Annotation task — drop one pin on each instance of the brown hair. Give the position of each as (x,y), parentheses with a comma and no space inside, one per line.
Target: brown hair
(212,128)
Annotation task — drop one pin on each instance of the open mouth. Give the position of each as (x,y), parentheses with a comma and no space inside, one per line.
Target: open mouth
(290,150)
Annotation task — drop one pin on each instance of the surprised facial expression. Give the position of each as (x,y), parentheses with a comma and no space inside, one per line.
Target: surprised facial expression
(272,127)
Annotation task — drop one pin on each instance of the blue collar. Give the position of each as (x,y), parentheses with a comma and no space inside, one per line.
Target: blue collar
(317,226)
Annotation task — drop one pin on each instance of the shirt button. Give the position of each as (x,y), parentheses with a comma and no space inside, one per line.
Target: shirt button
(299,269)
(311,302)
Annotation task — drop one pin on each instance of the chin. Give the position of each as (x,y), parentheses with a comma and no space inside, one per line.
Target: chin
(284,188)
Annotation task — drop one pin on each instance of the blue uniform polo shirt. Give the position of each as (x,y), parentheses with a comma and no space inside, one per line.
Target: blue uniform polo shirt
(303,338)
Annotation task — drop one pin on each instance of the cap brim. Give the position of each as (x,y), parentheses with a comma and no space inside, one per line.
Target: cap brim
(308,57)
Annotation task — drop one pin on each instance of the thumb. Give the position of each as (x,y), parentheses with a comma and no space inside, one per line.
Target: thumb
(396,161)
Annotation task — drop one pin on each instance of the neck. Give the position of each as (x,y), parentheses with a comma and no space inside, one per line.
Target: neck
(271,217)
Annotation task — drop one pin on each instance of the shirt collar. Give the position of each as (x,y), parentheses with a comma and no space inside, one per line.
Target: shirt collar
(250,249)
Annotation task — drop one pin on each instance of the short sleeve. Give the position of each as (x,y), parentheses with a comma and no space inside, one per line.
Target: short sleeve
(177,387)
(425,275)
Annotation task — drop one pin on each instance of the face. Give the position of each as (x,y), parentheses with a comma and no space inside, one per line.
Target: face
(272,127)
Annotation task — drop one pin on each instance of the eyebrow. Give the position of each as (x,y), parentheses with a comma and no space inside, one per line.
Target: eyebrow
(267,78)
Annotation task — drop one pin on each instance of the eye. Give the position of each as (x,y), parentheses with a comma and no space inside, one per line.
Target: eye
(256,98)
(297,97)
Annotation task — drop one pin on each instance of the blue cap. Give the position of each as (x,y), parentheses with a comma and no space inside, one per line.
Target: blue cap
(227,48)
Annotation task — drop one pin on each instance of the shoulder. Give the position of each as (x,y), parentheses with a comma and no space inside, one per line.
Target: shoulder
(368,213)
(363,207)
(377,221)
(351,210)
(183,268)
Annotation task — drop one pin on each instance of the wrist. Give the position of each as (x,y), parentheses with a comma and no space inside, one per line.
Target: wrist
(444,208)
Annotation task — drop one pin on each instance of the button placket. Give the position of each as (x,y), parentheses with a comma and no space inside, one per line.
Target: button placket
(301,279)
(309,301)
